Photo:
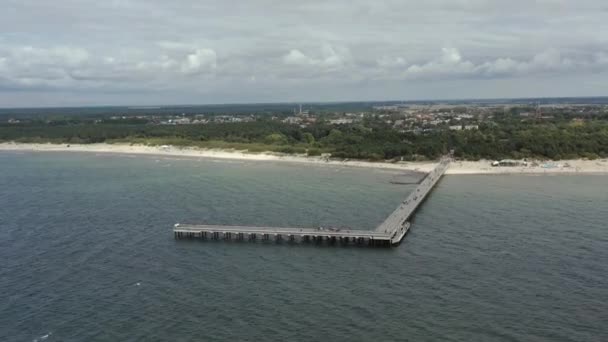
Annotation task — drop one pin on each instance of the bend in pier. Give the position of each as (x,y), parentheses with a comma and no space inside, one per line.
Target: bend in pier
(397,223)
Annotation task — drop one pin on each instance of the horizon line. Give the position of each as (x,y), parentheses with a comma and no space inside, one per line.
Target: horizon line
(141,106)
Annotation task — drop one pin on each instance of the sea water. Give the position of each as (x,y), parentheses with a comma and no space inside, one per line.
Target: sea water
(87,254)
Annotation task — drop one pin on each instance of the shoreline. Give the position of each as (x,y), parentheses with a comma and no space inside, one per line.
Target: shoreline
(577,166)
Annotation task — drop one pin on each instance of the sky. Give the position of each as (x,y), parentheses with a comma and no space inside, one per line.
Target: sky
(154,52)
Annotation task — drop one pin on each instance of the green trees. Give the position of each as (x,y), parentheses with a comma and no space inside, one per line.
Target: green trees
(308,138)
(506,137)
(275,139)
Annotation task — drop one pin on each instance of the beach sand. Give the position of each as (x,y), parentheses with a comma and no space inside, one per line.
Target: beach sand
(457,167)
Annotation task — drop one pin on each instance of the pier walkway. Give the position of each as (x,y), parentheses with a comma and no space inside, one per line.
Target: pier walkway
(388,233)
(397,224)
(281,233)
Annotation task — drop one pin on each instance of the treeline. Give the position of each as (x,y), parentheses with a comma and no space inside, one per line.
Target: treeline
(371,139)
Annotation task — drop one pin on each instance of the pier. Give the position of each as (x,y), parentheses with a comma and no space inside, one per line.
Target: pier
(389,233)
(397,224)
(247,233)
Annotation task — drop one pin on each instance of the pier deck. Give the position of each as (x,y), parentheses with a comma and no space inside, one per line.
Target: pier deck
(281,233)
(388,233)
(396,224)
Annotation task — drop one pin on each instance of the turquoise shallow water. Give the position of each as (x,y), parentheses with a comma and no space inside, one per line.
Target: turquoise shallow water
(88,255)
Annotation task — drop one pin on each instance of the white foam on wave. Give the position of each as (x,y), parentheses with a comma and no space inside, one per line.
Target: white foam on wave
(43,337)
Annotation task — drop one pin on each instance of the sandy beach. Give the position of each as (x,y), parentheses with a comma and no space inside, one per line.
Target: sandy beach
(599,166)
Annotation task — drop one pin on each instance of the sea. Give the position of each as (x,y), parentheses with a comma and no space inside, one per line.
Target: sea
(87,254)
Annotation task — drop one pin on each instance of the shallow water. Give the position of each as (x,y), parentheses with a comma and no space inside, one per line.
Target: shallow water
(88,254)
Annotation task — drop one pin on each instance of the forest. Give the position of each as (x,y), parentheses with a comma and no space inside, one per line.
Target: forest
(370,139)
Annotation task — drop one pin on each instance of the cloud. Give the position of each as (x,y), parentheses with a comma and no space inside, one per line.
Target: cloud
(296,57)
(200,61)
(64,67)
(450,56)
(193,63)
(549,61)
(329,59)
(391,62)
(68,56)
(43,63)
(601,58)
(330,49)
(452,65)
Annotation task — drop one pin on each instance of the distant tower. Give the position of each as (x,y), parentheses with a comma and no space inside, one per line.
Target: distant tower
(539,112)
(300,109)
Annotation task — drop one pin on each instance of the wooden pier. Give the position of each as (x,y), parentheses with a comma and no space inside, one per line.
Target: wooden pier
(389,233)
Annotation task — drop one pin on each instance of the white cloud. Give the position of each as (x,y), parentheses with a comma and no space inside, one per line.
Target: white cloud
(195,62)
(500,66)
(451,64)
(67,56)
(65,66)
(329,59)
(200,61)
(546,61)
(450,56)
(296,57)
(174,45)
(391,62)
(162,64)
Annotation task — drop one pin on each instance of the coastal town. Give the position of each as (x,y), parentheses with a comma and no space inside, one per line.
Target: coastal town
(414,118)
(403,117)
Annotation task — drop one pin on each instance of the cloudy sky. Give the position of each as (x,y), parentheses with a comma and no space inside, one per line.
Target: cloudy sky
(139,52)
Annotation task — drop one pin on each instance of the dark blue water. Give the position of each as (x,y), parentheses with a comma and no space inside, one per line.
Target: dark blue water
(88,255)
